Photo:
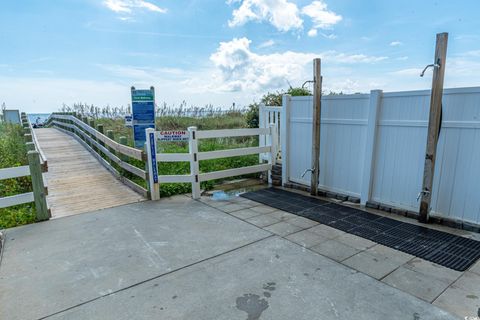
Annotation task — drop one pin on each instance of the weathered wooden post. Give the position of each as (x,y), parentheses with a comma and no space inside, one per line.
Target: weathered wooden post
(110,134)
(317,111)
(92,125)
(30,146)
(100,129)
(28,137)
(38,186)
(123,140)
(194,165)
(434,123)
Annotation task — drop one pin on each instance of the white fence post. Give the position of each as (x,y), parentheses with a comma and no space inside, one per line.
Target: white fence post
(285,132)
(151,146)
(194,167)
(261,124)
(369,160)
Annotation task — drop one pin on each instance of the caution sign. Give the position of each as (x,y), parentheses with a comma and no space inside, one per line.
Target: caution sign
(173,135)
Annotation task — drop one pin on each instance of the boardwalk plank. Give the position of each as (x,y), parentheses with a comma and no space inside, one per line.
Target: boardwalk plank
(77,182)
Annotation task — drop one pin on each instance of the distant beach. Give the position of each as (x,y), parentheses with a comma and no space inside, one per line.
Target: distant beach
(41,117)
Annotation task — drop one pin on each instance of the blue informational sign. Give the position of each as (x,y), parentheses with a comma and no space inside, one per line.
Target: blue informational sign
(143,114)
(154,157)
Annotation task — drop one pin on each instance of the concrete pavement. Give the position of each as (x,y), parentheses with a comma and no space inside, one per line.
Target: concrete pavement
(182,259)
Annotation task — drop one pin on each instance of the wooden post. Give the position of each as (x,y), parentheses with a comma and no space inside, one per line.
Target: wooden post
(317,111)
(38,187)
(100,129)
(194,166)
(433,125)
(30,146)
(124,158)
(111,136)
(91,123)
(28,137)
(151,149)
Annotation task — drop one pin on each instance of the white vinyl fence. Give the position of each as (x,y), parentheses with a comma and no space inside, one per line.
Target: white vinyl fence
(373,147)
(268,115)
(194,157)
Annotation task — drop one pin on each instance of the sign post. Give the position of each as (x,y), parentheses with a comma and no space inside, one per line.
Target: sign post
(143,114)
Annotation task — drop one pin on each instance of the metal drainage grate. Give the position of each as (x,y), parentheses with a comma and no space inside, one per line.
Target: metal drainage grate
(448,250)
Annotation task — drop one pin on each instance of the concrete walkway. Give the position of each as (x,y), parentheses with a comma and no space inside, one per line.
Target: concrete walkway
(183,259)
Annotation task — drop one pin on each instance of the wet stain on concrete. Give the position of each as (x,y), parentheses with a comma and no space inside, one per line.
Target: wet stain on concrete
(252,305)
(251,259)
(472,296)
(277,256)
(416,316)
(270,286)
(174,297)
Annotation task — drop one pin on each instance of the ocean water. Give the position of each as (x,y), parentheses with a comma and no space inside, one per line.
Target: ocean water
(38,117)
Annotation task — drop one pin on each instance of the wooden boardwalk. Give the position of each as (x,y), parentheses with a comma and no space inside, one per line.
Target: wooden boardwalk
(76,181)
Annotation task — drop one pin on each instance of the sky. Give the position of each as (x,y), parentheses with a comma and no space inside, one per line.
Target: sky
(220,52)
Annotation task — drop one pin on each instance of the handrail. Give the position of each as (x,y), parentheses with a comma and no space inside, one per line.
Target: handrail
(97,144)
(125,150)
(43,157)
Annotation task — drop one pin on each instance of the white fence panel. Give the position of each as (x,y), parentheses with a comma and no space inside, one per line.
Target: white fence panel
(268,115)
(400,149)
(397,131)
(456,188)
(342,140)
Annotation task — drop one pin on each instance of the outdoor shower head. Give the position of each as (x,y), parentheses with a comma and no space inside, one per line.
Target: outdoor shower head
(435,65)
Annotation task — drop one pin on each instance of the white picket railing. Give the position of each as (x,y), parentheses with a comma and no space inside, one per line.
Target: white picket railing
(11,173)
(194,156)
(268,115)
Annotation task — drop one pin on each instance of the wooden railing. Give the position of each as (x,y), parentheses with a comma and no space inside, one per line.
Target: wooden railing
(112,155)
(194,156)
(36,166)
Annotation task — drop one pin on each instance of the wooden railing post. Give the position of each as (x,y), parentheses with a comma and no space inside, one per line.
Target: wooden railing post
(92,125)
(38,186)
(100,129)
(30,146)
(194,165)
(124,158)
(28,137)
(111,136)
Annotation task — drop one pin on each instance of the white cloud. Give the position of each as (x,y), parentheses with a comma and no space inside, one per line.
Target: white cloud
(395,43)
(312,33)
(321,17)
(404,58)
(127,6)
(267,44)
(282,14)
(240,69)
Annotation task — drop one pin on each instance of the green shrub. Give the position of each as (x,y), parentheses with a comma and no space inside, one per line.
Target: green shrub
(13,153)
